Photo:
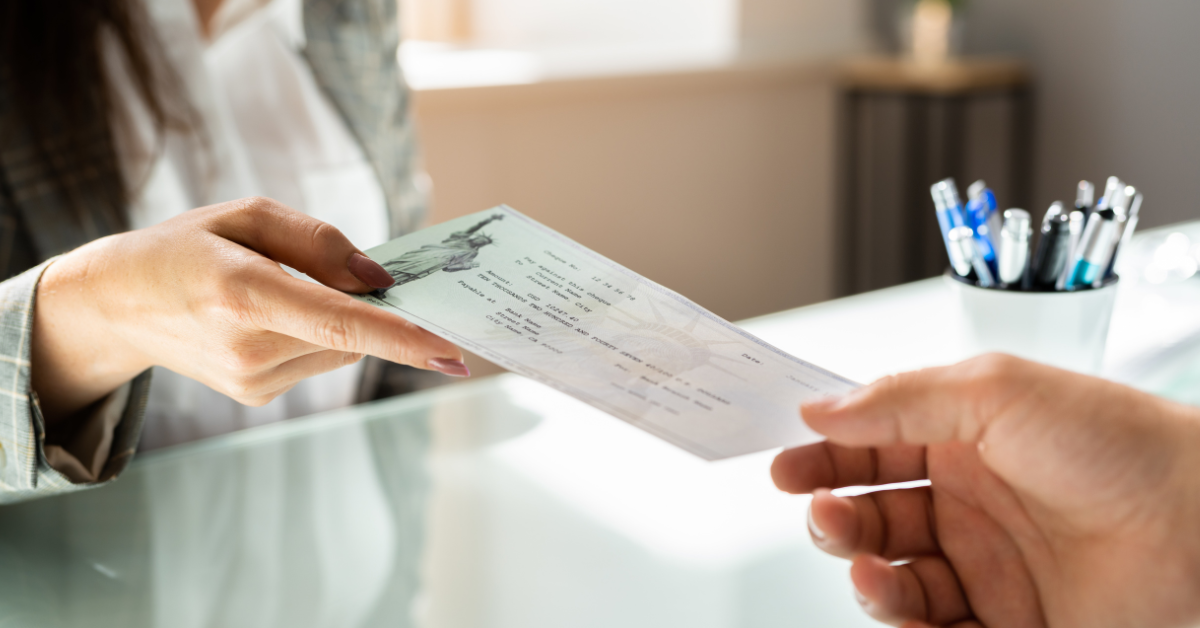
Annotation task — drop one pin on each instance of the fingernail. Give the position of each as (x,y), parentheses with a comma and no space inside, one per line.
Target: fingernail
(862,600)
(453,368)
(816,531)
(868,605)
(370,272)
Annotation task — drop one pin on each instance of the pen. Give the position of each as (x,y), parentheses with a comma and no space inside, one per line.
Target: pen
(1085,195)
(993,221)
(1126,230)
(953,202)
(1014,246)
(1091,256)
(948,216)
(964,240)
(1130,225)
(1118,201)
(960,250)
(981,204)
(975,194)
(1076,223)
(984,269)
(1052,249)
(981,208)
(1111,188)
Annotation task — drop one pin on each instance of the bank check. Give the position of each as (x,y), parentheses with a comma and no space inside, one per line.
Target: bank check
(539,304)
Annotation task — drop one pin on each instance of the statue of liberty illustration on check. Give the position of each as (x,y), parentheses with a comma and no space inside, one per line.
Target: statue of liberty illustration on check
(455,253)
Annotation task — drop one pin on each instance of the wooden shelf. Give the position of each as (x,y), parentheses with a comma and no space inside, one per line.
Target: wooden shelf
(955,76)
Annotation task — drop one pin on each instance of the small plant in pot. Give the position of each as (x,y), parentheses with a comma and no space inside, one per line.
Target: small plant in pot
(933,30)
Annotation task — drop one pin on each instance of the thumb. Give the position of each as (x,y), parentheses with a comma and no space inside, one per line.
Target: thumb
(950,403)
(1072,441)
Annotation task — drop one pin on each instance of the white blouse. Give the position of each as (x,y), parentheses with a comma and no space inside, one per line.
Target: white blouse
(268,131)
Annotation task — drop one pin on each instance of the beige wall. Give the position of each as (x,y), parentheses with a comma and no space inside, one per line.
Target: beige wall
(1116,93)
(818,28)
(718,184)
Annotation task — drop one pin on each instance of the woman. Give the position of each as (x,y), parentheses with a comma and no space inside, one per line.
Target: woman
(117,119)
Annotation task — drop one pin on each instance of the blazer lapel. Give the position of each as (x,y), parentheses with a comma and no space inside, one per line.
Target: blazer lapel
(351,47)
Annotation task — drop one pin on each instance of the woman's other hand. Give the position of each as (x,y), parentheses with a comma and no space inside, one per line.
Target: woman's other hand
(1056,499)
(204,295)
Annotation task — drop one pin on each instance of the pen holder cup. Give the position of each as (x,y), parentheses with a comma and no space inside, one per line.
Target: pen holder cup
(1063,329)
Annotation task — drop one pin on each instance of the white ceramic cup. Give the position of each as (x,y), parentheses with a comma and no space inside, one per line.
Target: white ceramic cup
(1063,329)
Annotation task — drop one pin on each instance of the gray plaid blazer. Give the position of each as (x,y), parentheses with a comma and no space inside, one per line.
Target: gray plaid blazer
(351,48)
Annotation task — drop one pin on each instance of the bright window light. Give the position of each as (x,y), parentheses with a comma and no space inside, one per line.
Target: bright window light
(574,23)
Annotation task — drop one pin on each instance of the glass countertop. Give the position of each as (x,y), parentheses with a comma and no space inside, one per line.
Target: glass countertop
(489,504)
(502,503)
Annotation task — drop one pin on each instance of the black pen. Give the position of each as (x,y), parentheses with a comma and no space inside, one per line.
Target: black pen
(1054,245)
(1129,224)
(1119,203)
(1112,188)
(1085,195)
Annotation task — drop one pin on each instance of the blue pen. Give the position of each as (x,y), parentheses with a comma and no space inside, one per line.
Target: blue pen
(981,205)
(1090,258)
(948,214)
(1075,225)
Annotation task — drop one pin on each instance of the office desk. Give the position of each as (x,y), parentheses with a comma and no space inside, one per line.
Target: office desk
(497,503)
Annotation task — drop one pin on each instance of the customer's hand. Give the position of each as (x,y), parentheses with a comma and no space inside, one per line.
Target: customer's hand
(204,295)
(1056,499)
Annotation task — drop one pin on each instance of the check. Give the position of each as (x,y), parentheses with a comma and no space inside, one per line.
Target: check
(539,304)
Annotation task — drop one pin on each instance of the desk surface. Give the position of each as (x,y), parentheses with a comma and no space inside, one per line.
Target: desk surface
(500,503)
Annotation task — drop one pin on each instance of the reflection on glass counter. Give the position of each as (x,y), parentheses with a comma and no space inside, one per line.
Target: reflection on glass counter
(1164,303)
(499,503)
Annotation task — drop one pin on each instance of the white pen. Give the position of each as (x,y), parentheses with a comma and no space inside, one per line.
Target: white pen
(1085,196)
(1093,250)
(1014,246)
(958,241)
(963,239)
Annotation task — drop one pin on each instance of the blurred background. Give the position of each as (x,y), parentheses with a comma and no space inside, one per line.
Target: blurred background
(758,155)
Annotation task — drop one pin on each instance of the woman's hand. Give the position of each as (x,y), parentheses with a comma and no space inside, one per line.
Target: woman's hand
(1056,499)
(203,295)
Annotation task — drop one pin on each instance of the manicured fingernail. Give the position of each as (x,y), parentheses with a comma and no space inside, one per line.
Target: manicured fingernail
(862,600)
(370,272)
(816,531)
(453,368)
